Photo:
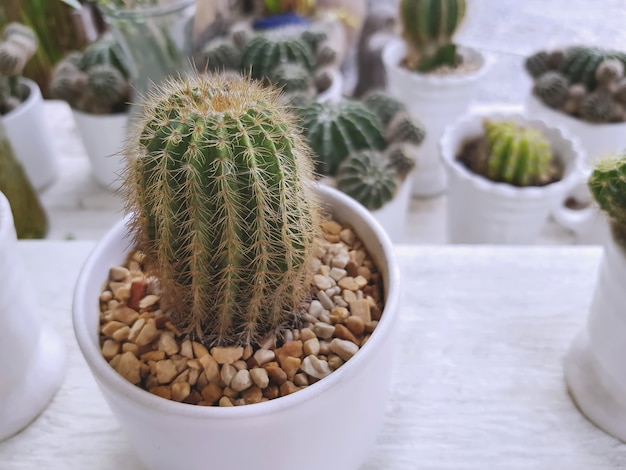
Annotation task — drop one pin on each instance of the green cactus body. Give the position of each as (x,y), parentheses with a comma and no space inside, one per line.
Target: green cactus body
(263,53)
(104,51)
(222,54)
(367,177)
(383,105)
(597,107)
(607,184)
(291,78)
(313,38)
(552,88)
(581,64)
(220,185)
(518,155)
(404,129)
(335,130)
(107,84)
(537,64)
(401,159)
(427,28)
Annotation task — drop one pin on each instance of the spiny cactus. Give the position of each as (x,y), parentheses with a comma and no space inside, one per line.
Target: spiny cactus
(335,130)
(17,47)
(292,78)
(405,129)
(220,184)
(383,105)
(221,54)
(106,50)
(597,107)
(537,64)
(607,184)
(263,53)
(552,89)
(581,64)
(401,159)
(518,155)
(427,28)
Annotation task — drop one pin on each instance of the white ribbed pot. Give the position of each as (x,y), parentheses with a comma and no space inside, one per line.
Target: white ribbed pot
(31,139)
(436,101)
(594,367)
(32,356)
(332,423)
(103,136)
(481,211)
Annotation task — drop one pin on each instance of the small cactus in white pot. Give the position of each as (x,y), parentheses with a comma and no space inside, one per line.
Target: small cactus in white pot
(225,214)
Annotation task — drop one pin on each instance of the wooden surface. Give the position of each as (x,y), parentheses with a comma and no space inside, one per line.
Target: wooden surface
(477,382)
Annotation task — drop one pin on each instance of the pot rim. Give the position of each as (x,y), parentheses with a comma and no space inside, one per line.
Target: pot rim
(570,120)
(34,95)
(572,157)
(110,379)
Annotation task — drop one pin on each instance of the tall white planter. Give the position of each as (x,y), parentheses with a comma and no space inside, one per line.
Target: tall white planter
(31,139)
(32,356)
(103,136)
(435,100)
(595,367)
(330,424)
(481,211)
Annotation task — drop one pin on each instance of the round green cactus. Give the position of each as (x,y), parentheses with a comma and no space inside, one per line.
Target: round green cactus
(367,177)
(404,129)
(427,28)
(383,105)
(607,184)
(221,54)
(518,155)
(292,78)
(581,64)
(105,50)
(220,186)
(552,88)
(335,130)
(263,53)
(401,159)
(537,64)
(597,107)
(107,84)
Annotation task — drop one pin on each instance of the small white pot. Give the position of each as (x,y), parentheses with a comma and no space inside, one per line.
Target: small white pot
(392,216)
(103,136)
(481,211)
(435,100)
(330,424)
(594,366)
(31,138)
(32,356)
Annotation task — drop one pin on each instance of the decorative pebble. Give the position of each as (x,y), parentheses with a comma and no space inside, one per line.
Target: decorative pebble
(343,348)
(315,367)
(241,381)
(227,355)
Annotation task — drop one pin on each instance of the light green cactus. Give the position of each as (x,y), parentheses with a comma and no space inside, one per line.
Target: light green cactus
(607,184)
(518,155)
(219,180)
(427,29)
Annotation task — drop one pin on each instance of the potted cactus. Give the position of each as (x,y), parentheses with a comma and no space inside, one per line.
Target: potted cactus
(95,83)
(367,149)
(584,90)
(433,76)
(231,288)
(593,366)
(21,107)
(506,173)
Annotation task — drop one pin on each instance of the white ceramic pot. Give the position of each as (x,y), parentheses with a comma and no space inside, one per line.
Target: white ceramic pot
(436,101)
(392,216)
(594,365)
(596,139)
(481,211)
(32,356)
(330,424)
(31,139)
(103,136)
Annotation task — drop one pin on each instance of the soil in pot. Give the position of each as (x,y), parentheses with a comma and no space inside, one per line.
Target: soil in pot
(141,343)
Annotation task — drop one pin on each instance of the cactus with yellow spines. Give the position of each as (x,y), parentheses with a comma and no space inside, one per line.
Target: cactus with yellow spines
(220,184)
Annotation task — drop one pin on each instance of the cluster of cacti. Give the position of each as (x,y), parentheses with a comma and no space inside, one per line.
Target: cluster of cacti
(95,81)
(279,58)
(368,145)
(607,184)
(18,44)
(427,29)
(585,82)
(518,155)
(221,187)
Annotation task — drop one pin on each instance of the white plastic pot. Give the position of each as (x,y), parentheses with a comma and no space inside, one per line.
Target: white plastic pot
(594,366)
(481,211)
(435,100)
(392,216)
(103,136)
(330,424)
(31,139)
(32,356)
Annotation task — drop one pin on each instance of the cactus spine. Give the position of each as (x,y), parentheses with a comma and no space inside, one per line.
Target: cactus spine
(219,180)
(427,28)
(518,155)
(607,184)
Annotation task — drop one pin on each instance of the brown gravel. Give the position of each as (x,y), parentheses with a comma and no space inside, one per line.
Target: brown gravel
(140,342)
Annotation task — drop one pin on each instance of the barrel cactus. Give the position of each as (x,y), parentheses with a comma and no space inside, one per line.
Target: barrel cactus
(581,64)
(427,28)
(263,53)
(607,184)
(336,130)
(598,107)
(219,181)
(368,177)
(221,54)
(518,155)
(292,78)
(383,105)
(552,88)
(17,47)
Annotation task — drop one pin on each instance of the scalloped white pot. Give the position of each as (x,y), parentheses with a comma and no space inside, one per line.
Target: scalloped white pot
(594,366)
(436,101)
(331,424)
(31,139)
(481,211)
(32,356)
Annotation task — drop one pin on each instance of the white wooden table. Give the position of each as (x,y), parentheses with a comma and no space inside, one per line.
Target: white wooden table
(477,383)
